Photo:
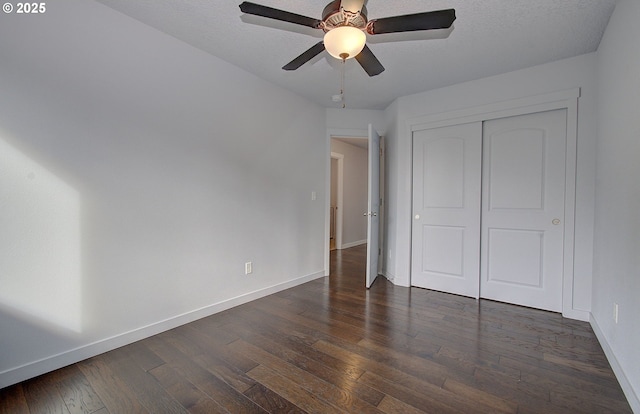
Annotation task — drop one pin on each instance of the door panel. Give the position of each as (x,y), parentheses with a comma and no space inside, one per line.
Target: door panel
(524,249)
(516,172)
(446,209)
(443,248)
(373,219)
(523,209)
(444,173)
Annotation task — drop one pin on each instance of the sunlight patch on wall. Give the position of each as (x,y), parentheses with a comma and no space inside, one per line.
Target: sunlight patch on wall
(40,264)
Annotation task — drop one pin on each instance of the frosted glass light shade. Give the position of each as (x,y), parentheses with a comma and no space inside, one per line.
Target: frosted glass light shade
(353,6)
(344,40)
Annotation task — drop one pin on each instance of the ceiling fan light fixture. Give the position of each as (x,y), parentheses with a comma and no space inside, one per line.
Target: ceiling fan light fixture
(344,42)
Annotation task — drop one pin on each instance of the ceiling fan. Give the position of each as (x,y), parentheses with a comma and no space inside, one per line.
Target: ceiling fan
(345,23)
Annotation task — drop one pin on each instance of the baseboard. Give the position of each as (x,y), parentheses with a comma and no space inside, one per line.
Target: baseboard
(48,364)
(577,314)
(626,386)
(353,244)
(390,277)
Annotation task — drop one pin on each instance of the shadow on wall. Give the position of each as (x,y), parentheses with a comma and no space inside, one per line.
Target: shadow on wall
(40,253)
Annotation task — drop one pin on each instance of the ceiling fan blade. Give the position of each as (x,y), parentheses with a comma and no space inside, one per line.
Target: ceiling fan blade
(312,52)
(352,6)
(277,14)
(440,19)
(369,62)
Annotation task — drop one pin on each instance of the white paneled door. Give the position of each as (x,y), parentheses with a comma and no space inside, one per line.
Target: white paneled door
(488,209)
(373,205)
(446,209)
(523,209)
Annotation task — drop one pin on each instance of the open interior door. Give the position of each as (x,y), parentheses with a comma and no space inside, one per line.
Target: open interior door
(373,220)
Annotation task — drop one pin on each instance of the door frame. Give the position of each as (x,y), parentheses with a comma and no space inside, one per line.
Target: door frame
(339,194)
(568,100)
(341,133)
(331,133)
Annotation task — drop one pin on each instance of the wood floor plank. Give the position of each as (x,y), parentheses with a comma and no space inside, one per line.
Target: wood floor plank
(340,398)
(43,397)
(332,328)
(415,364)
(187,394)
(75,390)
(115,394)
(142,356)
(495,404)
(299,355)
(390,405)
(149,393)
(231,375)
(13,401)
(554,379)
(290,390)
(384,364)
(216,388)
(587,367)
(512,389)
(302,355)
(575,399)
(487,378)
(422,395)
(357,311)
(472,359)
(210,343)
(271,401)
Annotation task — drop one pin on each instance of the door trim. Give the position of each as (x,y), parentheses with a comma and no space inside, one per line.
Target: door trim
(339,197)
(568,100)
(331,133)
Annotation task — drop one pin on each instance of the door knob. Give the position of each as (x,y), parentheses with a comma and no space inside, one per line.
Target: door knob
(555,222)
(417,217)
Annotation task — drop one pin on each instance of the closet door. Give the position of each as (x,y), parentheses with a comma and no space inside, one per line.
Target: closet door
(523,209)
(446,209)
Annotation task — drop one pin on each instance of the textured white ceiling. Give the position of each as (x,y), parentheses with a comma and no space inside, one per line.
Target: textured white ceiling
(489,37)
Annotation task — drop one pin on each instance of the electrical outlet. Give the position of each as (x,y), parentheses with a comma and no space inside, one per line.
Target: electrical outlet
(248,268)
(615,312)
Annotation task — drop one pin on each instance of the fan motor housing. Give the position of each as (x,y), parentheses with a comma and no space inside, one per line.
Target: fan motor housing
(333,16)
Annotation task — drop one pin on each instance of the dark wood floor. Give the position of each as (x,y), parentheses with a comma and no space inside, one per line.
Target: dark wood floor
(331,346)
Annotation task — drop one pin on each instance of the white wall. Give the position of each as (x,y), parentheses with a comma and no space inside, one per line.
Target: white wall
(354,190)
(553,77)
(356,120)
(137,176)
(617,220)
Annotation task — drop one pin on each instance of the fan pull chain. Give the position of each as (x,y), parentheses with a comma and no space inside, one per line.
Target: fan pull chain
(344,104)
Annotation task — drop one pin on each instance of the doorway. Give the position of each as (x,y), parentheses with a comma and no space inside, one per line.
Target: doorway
(355,203)
(348,191)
